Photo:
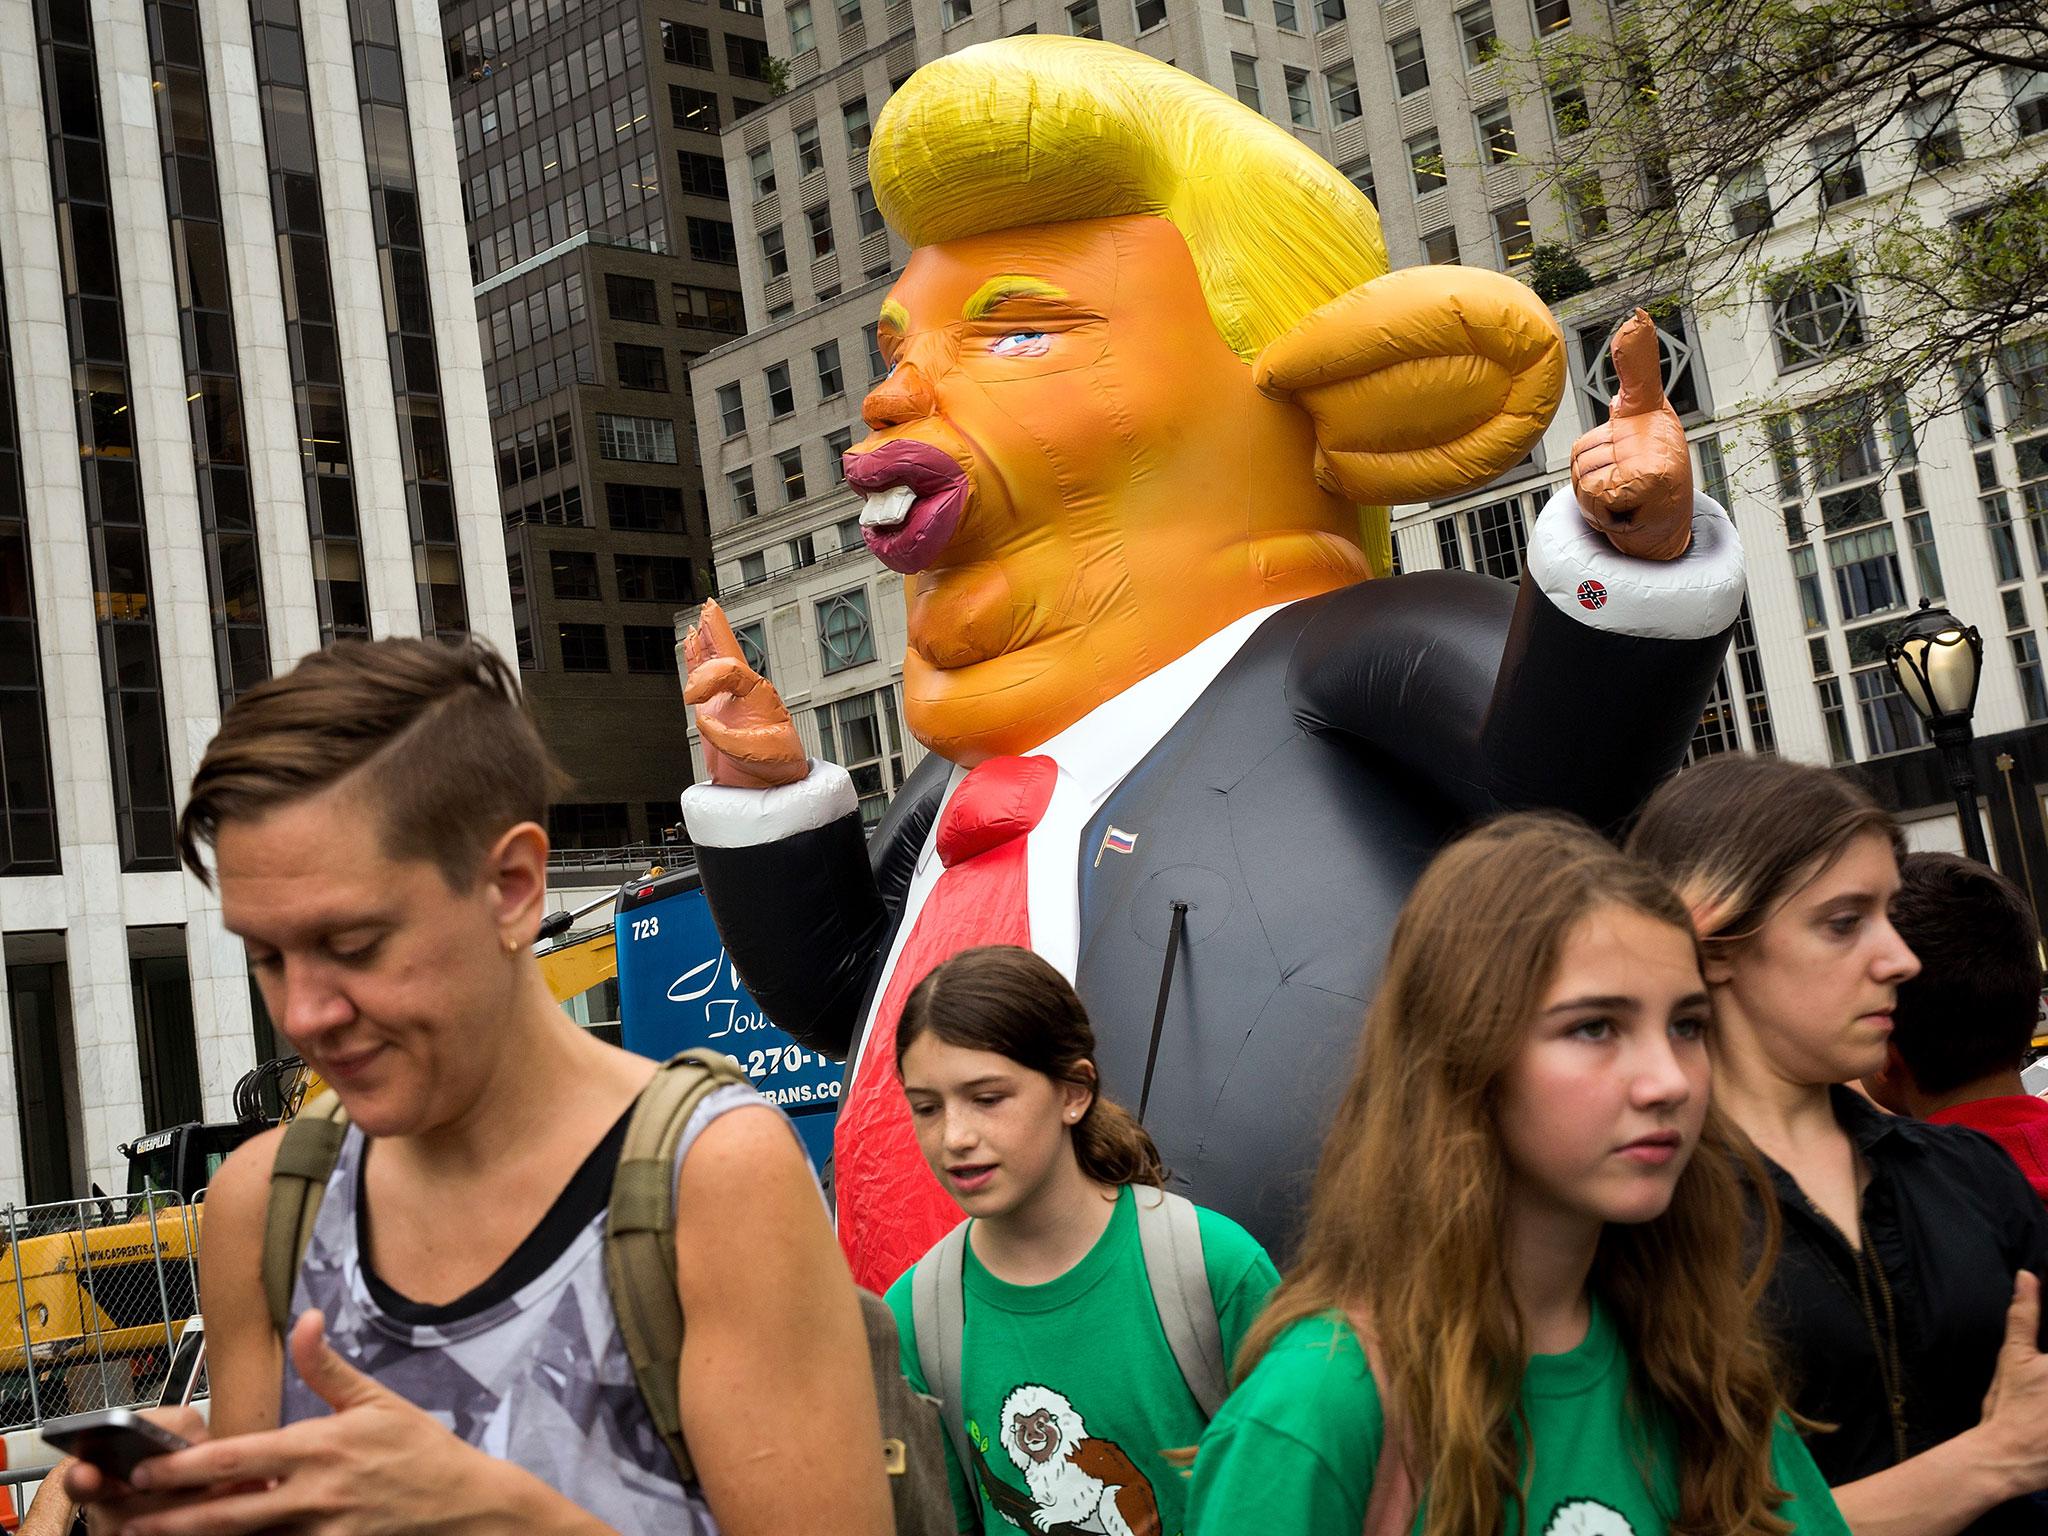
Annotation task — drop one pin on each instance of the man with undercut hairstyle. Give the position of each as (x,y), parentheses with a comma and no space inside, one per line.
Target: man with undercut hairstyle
(1151,390)
(454,1360)
(1963,1025)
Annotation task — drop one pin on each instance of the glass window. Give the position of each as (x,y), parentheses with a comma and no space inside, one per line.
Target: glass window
(1499,538)
(845,636)
(803,551)
(650,648)
(1360,176)
(1441,248)
(700,175)
(1426,162)
(867,217)
(2023,383)
(1585,202)
(1552,15)
(1595,363)
(1931,125)
(1867,578)
(774,253)
(753,568)
(1889,722)
(1301,106)
(746,57)
(1342,84)
(1836,719)
(1839,165)
(1244,73)
(574,572)
(1450,553)
(753,639)
(761,168)
(1568,110)
(692,109)
(2026,660)
(2029,88)
(877,364)
(819,222)
(830,378)
(712,240)
(631,298)
(1411,66)
(849,533)
(1513,236)
(683,44)
(953,12)
(1285,17)
(1475,32)
(1815,314)
(1085,19)
(802,30)
(1806,576)
(583,648)
(653,579)
(781,393)
(644,508)
(1748,198)
(1149,14)
(810,153)
(860,129)
(636,439)
(1496,126)
(789,464)
(1328,14)
(837,442)
(641,367)
(742,483)
(732,410)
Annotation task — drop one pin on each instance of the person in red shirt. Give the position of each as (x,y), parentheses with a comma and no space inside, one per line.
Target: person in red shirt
(1963,1025)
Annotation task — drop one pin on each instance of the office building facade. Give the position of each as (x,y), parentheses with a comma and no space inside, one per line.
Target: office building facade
(602,249)
(241,415)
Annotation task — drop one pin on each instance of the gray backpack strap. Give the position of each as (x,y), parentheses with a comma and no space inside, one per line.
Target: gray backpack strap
(938,1306)
(1171,1235)
(306,1155)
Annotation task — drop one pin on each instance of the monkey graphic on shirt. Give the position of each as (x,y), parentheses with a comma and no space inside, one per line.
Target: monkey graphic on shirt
(1078,1484)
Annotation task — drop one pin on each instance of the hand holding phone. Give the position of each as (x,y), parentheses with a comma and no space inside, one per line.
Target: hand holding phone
(115,1440)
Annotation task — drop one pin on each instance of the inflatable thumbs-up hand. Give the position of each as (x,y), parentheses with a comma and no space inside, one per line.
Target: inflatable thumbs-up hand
(1633,476)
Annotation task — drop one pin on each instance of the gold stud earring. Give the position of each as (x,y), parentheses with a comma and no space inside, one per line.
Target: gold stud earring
(511,946)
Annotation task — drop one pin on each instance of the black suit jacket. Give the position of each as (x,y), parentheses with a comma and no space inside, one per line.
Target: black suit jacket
(1289,810)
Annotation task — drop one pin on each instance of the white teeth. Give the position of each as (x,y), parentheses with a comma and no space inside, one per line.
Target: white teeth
(885,509)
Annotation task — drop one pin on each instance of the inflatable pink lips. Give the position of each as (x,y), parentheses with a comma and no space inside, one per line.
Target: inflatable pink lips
(913,497)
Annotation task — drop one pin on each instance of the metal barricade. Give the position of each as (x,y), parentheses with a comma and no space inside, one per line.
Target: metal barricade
(101,1290)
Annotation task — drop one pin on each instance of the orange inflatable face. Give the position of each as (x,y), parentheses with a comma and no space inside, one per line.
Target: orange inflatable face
(1076,476)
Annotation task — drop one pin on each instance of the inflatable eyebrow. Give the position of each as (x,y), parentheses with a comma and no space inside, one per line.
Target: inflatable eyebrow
(1151,392)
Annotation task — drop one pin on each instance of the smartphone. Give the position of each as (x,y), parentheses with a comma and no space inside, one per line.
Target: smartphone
(116,1440)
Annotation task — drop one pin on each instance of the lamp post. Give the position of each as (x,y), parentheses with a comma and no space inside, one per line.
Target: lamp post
(1938,661)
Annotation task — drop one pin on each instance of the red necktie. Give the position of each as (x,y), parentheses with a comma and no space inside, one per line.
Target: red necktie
(891,1208)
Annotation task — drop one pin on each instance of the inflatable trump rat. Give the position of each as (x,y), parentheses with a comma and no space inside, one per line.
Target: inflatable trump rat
(1151,391)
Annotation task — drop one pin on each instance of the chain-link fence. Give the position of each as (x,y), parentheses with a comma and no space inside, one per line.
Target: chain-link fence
(93,1296)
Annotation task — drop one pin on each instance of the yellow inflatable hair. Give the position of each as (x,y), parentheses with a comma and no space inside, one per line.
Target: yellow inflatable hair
(1047,130)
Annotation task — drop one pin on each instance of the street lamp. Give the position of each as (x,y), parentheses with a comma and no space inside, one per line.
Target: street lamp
(1938,661)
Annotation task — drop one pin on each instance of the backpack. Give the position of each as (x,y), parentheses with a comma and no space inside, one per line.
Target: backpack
(640,1273)
(1170,1235)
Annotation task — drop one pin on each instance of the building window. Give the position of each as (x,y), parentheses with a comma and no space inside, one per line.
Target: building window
(953,12)
(692,109)
(803,552)
(1806,579)
(644,508)
(636,439)
(753,639)
(641,367)
(789,464)
(1301,106)
(753,568)
(1342,84)
(583,648)
(1149,14)
(732,410)
(866,216)
(810,150)
(167,1045)
(741,483)
(1441,248)
(1715,733)
(1889,722)
(574,574)
(684,44)
(700,175)
(1839,164)
(1328,14)
(1360,176)
(1411,66)
(653,579)
(802,29)
(878,365)
(831,379)
(1867,578)
(1085,19)
(711,240)
(845,636)
(631,298)
(819,220)
(1568,110)
(1585,202)
(1244,74)
(774,254)
(1450,553)
(1926,558)
(860,129)
(28,825)
(746,57)
(1499,538)
(1512,236)
(1426,162)
(1552,16)
(2023,383)
(2026,660)
(2029,88)
(854,734)
(1815,313)
(1496,126)
(1285,17)
(781,393)
(1748,197)
(590,825)
(761,169)
(1749,665)
(1836,720)
(1594,361)
(1475,32)
(1937,137)
(850,534)
(708,309)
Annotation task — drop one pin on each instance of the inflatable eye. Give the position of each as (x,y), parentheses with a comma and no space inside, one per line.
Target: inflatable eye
(1021,344)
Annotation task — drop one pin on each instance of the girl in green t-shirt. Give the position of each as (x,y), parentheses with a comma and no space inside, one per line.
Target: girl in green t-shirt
(1562,1339)
(1072,1404)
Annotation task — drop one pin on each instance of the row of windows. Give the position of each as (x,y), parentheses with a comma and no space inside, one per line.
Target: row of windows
(557,509)
(637,300)
(732,411)
(636,578)
(636,439)
(546,377)
(818,234)
(646,647)
(1476,31)
(541,89)
(604,203)
(484,43)
(803,551)
(517,323)
(28,821)
(855,123)
(533,451)
(696,111)
(569,151)
(791,484)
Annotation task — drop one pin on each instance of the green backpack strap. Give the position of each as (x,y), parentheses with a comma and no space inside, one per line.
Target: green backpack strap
(298,1182)
(938,1311)
(640,1235)
(1170,1233)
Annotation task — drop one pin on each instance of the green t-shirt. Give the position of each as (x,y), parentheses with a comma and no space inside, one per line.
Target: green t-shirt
(1074,1380)
(1293,1450)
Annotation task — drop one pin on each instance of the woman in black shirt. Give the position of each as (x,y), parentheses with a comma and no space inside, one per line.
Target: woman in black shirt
(1907,1250)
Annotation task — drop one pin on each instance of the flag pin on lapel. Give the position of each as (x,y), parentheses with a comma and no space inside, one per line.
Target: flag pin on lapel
(1115,840)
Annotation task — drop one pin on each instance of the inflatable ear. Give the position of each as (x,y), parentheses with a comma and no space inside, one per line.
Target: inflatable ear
(1421,383)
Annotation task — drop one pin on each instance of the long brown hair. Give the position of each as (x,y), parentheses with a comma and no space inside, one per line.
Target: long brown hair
(1004,999)
(1737,835)
(1405,1225)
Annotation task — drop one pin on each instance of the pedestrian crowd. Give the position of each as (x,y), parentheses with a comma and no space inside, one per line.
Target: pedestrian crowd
(1686,1185)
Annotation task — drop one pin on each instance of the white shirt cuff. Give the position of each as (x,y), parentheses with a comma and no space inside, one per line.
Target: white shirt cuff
(722,816)
(1697,595)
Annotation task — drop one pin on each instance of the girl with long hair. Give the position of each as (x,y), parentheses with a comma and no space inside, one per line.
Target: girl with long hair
(1906,1282)
(1073,1404)
(1520,1304)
